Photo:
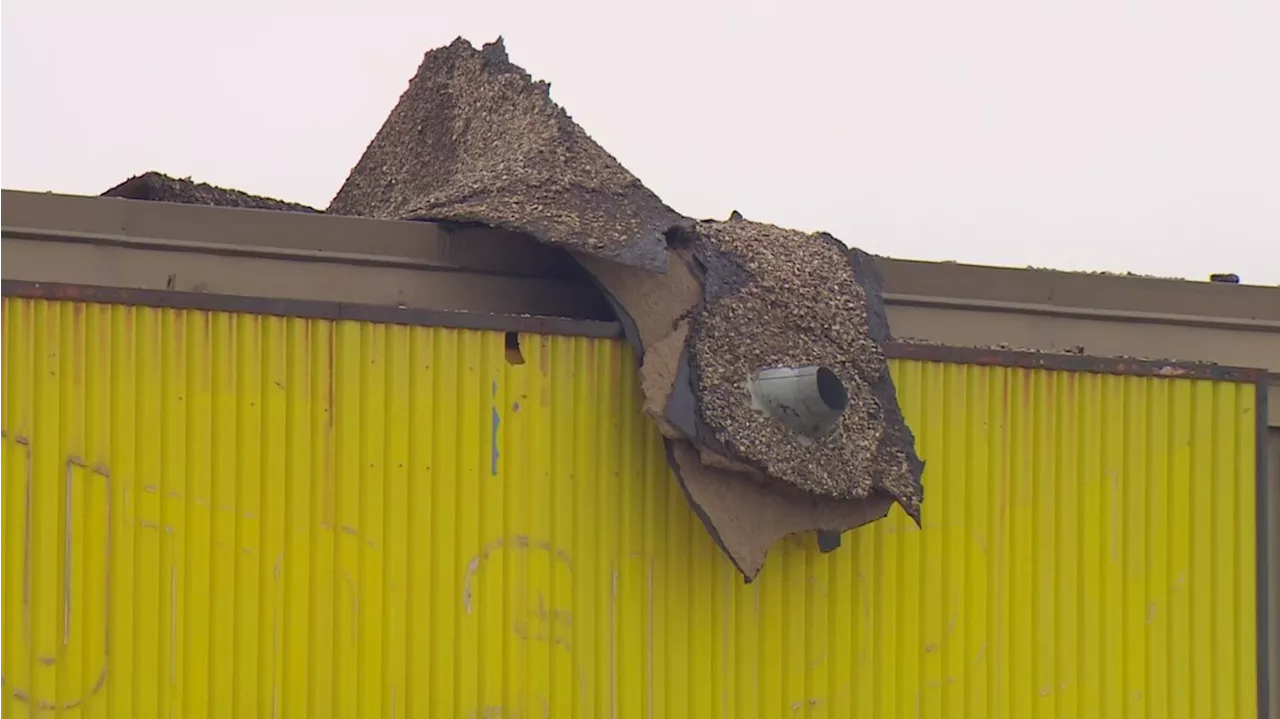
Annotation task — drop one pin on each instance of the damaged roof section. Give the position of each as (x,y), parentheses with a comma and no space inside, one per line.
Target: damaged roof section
(158,187)
(778,298)
(711,308)
(760,347)
(475,139)
(740,301)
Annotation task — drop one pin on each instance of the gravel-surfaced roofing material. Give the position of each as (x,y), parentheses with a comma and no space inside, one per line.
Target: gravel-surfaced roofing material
(158,187)
(475,139)
(784,298)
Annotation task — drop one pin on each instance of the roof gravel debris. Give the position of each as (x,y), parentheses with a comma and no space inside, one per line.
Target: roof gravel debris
(158,187)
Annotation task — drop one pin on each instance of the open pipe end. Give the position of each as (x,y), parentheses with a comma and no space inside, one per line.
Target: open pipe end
(831,390)
(808,400)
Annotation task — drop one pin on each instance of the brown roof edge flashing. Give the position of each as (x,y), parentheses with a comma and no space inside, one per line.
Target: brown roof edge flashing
(312,309)
(1022,289)
(1031,359)
(225,230)
(246,252)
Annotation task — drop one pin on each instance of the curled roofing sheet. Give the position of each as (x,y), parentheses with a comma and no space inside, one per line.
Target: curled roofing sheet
(740,297)
(475,139)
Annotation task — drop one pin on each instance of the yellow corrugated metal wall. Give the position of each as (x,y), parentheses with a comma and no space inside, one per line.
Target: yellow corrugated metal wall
(215,514)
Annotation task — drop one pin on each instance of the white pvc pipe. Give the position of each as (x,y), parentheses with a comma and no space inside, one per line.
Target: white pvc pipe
(808,400)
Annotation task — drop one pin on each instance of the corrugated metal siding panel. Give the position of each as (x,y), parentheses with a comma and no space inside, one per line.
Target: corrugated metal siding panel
(1091,539)
(305,518)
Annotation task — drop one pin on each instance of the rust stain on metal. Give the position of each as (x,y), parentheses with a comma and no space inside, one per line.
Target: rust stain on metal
(25,443)
(333,377)
(4,360)
(355,609)
(128,325)
(173,625)
(178,322)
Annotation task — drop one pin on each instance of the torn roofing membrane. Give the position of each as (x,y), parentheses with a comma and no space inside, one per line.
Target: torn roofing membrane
(743,297)
(708,306)
(783,298)
(475,139)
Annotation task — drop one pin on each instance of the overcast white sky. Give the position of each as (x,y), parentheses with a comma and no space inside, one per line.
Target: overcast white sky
(1090,134)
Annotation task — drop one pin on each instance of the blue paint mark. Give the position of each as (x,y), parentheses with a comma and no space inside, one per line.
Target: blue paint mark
(493,461)
(495,388)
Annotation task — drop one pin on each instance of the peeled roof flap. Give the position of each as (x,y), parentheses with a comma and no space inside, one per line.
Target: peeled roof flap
(475,139)
(792,299)
(746,516)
